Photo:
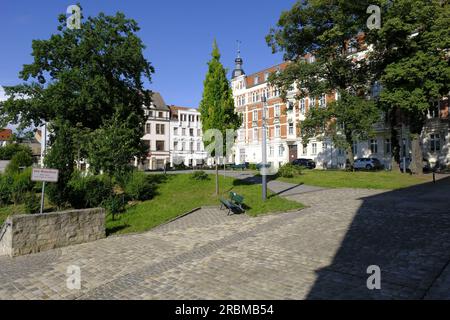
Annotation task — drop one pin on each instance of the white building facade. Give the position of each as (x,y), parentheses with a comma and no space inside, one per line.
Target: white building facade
(186,142)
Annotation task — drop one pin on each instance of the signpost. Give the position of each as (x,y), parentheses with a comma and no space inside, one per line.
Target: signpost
(44,175)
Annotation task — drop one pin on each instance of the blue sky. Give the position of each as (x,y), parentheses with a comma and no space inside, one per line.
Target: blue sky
(178,35)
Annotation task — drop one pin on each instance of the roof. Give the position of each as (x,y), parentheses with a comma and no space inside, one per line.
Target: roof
(158,102)
(5,134)
(178,108)
(261,74)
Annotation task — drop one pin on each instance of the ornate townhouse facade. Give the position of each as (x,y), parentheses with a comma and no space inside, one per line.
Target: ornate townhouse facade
(186,142)
(282,121)
(157,135)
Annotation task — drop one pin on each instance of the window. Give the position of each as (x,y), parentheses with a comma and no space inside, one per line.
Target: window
(160,114)
(199,132)
(148,127)
(374,146)
(191,132)
(147,144)
(183,146)
(277,131)
(183,131)
(256,80)
(291,129)
(255,115)
(270,151)
(312,102)
(323,101)
(191,146)
(159,145)
(183,117)
(305,149)
(175,145)
(314,148)
(198,146)
(160,128)
(175,131)
(302,106)
(280,151)
(388,146)
(266,93)
(255,134)
(277,111)
(434,111)
(150,113)
(355,148)
(266,76)
(435,143)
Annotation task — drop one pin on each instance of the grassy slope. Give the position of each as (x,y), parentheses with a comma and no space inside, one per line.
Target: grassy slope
(180,194)
(369,180)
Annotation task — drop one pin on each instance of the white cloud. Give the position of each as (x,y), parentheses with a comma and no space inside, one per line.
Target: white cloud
(2,94)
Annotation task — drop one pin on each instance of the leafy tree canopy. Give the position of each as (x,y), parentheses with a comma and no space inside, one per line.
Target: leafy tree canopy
(82,75)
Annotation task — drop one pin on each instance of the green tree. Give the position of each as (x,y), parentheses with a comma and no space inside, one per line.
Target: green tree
(7,152)
(79,80)
(327,30)
(21,159)
(60,156)
(217,106)
(411,58)
(103,152)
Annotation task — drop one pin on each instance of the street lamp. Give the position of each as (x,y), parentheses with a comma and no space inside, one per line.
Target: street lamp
(264,150)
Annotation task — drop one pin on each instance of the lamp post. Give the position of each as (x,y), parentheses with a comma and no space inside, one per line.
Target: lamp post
(264,150)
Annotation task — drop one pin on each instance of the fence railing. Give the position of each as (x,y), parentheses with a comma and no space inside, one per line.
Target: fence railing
(3,229)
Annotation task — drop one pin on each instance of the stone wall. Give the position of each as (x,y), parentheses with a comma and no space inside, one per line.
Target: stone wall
(33,233)
(5,238)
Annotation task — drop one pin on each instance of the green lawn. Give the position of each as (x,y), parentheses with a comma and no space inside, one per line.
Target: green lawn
(180,194)
(369,180)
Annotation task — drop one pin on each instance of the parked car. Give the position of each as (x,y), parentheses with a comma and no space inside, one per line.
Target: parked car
(259,166)
(367,164)
(240,166)
(307,163)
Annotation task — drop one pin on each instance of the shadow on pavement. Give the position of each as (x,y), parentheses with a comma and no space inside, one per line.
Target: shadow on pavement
(406,233)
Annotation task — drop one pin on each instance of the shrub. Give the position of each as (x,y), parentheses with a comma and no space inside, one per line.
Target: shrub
(20,159)
(7,152)
(32,202)
(6,182)
(88,192)
(289,171)
(199,175)
(140,186)
(252,166)
(115,204)
(21,184)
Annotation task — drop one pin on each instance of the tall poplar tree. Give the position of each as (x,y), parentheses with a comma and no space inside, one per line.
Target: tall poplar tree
(217,107)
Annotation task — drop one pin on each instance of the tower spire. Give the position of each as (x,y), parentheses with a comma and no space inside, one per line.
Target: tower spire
(238,71)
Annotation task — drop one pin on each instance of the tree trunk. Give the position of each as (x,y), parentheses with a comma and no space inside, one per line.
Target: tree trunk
(416,161)
(217,176)
(350,158)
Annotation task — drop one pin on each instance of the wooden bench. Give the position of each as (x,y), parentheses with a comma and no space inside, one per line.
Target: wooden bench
(233,204)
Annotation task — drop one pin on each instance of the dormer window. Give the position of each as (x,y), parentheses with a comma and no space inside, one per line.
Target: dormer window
(256,80)
(266,76)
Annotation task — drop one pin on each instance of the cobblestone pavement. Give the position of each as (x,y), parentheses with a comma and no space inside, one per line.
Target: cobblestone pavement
(321,252)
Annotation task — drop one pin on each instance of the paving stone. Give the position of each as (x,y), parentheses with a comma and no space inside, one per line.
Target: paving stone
(321,252)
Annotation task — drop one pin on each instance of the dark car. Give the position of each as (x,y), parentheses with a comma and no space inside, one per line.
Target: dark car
(307,163)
